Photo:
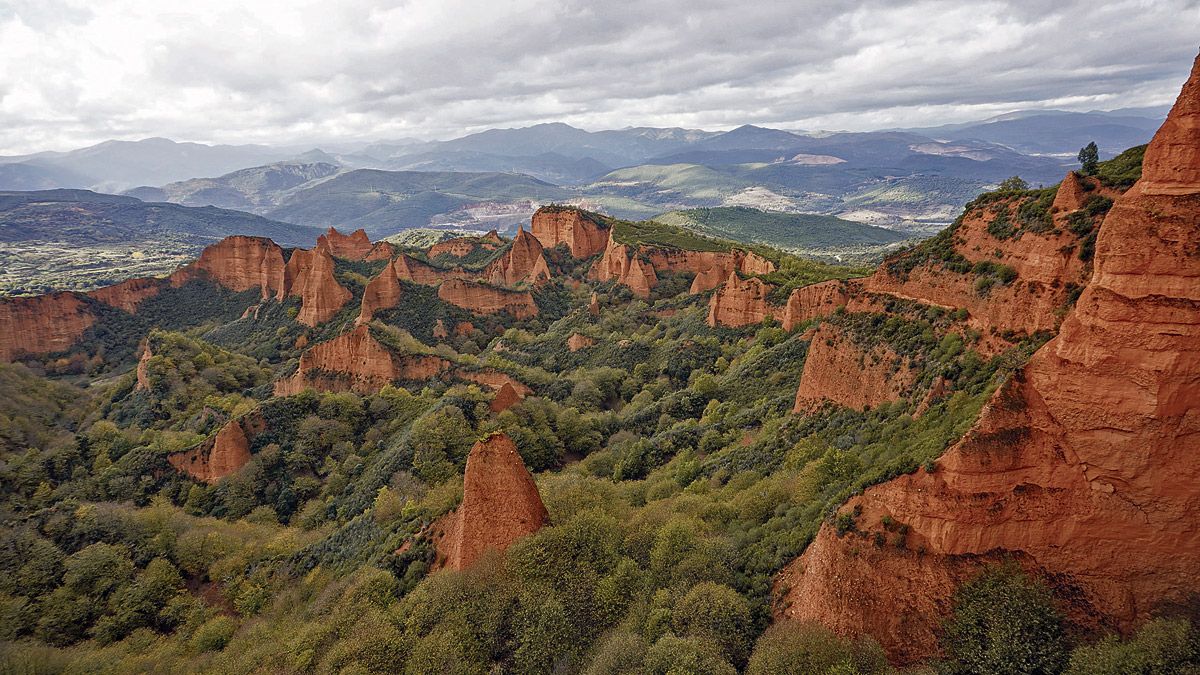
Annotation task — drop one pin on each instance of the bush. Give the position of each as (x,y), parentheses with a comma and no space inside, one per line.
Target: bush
(1161,646)
(1005,622)
(797,649)
(214,634)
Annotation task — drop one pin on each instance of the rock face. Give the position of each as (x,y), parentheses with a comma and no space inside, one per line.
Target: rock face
(381,251)
(483,299)
(638,267)
(494,379)
(740,302)
(504,399)
(594,305)
(239,263)
(1070,194)
(816,300)
(128,294)
(850,375)
(1082,466)
(500,504)
(42,324)
(553,226)
(579,341)
(309,274)
(523,262)
(460,247)
(355,361)
(224,454)
(143,369)
(382,292)
(411,269)
(354,246)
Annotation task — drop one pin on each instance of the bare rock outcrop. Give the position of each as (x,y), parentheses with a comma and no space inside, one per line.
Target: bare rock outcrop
(239,263)
(500,505)
(382,292)
(843,372)
(484,299)
(221,455)
(356,361)
(143,368)
(353,246)
(583,236)
(309,274)
(42,324)
(579,341)
(740,302)
(505,398)
(523,262)
(1081,467)
(130,293)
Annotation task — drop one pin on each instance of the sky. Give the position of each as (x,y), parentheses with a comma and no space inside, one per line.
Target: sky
(301,72)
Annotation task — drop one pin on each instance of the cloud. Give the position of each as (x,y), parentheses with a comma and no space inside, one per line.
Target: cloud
(306,71)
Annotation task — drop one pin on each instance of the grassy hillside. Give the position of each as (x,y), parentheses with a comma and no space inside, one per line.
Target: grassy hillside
(793,231)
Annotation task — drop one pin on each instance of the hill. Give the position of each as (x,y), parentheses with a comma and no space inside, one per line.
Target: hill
(81,239)
(796,232)
(255,189)
(386,202)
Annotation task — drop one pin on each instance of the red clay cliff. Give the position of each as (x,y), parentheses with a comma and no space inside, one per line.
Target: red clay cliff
(1081,467)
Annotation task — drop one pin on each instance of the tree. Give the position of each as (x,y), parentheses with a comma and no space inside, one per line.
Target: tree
(1014,184)
(1089,158)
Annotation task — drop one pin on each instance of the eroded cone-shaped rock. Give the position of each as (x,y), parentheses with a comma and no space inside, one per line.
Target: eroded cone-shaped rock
(354,246)
(1070,194)
(579,341)
(500,504)
(1083,467)
(740,302)
(221,455)
(382,292)
(505,398)
(582,235)
(143,369)
(594,305)
(522,262)
(310,275)
(46,323)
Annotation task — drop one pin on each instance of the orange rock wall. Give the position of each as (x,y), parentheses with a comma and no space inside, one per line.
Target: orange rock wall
(42,324)
(568,226)
(483,299)
(355,361)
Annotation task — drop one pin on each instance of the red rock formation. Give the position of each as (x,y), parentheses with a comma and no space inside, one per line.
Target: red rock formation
(523,262)
(500,505)
(504,399)
(239,263)
(637,267)
(594,305)
(841,371)
(1082,466)
(492,238)
(42,324)
(740,302)
(579,341)
(355,246)
(309,274)
(463,328)
(382,292)
(554,226)
(382,251)
(411,269)
(128,294)
(355,361)
(143,369)
(224,454)
(483,299)
(816,300)
(1070,194)
(495,379)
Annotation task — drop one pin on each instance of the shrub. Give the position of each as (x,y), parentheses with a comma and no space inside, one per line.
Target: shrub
(214,634)
(1005,622)
(798,649)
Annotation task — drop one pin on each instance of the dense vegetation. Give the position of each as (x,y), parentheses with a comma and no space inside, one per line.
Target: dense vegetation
(677,481)
(789,231)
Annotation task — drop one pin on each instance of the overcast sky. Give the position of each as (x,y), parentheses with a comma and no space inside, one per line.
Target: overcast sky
(74,72)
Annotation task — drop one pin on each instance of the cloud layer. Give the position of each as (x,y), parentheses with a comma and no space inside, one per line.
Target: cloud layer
(74,72)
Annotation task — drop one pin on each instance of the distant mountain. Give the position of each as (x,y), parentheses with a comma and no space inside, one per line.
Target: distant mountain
(803,232)
(386,202)
(548,166)
(1055,131)
(26,176)
(253,189)
(89,218)
(120,165)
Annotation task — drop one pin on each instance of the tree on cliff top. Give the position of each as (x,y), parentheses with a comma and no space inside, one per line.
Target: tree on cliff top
(1089,158)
